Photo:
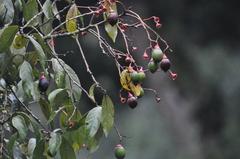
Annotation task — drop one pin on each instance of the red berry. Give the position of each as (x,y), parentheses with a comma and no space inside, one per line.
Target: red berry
(71,124)
(43,84)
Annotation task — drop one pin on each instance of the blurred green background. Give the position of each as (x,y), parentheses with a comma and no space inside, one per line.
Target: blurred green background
(199,114)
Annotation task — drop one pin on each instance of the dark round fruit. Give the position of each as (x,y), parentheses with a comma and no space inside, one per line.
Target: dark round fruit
(132,102)
(142,76)
(165,65)
(157,55)
(43,84)
(141,93)
(152,66)
(112,18)
(134,77)
(119,151)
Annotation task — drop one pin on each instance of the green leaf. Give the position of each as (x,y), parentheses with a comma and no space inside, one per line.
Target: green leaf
(27,81)
(42,43)
(31,147)
(107,114)
(31,58)
(54,143)
(47,9)
(111,30)
(77,92)
(55,11)
(6,11)
(91,92)
(21,94)
(41,55)
(30,9)
(94,142)
(59,73)
(19,123)
(18,152)
(11,143)
(55,113)
(54,93)
(34,124)
(93,121)
(39,149)
(46,110)
(7,37)
(66,150)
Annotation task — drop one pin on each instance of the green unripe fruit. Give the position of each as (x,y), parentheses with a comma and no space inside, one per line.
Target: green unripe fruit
(120,152)
(141,93)
(152,66)
(134,77)
(157,55)
(142,76)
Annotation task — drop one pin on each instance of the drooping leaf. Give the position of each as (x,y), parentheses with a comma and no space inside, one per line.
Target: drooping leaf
(31,146)
(42,42)
(7,37)
(47,9)
(59,73)
(93,121)
(39,149)
(18,152)
(111,30)
(6,11)
(39,49)
(18,55)
(11,143)
(30,9)
(91,92)
(46,110)
(21,94)
(27,81)
(66,150)
(55,11)
(19,123)
(94,142)
(107,119)
(54,143)
(76,90)
(71,25)
(20,42)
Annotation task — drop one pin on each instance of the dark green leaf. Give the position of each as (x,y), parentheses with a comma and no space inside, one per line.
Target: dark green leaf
(31,147)
(7,37)
(54,143)
(59,73)
(39,149)
(93,121)
(6,11)
(94,142)
(77,92)
(11,143)
(18,152)
(27,81)
(31,58)
(107,114)
(19,123)
(40,52)
(30,9)
(46,110)
(42,43)
(20,92)
(66,150)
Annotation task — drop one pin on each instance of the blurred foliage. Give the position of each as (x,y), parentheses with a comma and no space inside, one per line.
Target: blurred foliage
(200,118)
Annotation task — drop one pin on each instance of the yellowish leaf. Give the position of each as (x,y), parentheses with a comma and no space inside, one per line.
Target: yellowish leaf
(71,25)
